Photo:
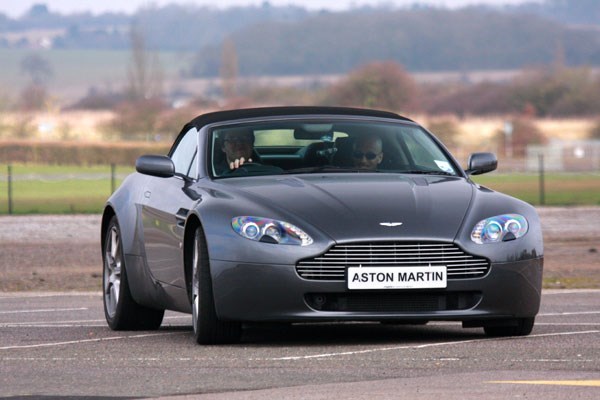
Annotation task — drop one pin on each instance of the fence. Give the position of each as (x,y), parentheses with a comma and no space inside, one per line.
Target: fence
(574,156)
(58,189)
(47,189)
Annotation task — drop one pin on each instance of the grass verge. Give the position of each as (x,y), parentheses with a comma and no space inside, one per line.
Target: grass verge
(560,189)
(50,189)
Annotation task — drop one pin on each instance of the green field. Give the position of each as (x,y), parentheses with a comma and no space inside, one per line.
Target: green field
(44,189)
(560,189)
(47,189)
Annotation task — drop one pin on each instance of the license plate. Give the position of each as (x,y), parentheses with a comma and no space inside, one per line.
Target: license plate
(397,277)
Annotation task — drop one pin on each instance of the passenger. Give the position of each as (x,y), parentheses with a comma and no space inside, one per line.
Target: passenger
(368,152)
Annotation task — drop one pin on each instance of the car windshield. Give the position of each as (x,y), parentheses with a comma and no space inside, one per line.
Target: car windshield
(322,146)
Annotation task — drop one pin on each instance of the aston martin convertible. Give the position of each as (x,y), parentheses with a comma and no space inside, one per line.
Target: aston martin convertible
(316,214)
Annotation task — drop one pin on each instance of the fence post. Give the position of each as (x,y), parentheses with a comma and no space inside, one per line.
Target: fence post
(542,189)
(113,177)
(10,199)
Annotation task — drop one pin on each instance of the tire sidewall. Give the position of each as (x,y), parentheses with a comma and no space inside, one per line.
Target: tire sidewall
(113,321)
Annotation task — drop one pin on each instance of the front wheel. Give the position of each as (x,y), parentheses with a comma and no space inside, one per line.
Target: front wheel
(120,309)
(522,327)
(207,327)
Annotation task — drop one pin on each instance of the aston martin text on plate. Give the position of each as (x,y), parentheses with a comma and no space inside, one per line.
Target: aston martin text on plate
(397,278)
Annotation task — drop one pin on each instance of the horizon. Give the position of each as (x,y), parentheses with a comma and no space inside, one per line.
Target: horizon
(17,9)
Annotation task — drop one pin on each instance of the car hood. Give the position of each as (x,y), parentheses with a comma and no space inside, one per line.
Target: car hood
(364,206)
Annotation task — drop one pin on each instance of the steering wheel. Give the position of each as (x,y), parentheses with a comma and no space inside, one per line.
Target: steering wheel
(253,168)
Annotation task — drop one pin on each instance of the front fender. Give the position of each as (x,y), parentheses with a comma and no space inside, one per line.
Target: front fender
(487,203)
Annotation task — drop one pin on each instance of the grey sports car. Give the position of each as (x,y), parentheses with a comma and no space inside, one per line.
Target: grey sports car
(300,214)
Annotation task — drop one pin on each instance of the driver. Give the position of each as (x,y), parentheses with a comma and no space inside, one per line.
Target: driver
(237,144)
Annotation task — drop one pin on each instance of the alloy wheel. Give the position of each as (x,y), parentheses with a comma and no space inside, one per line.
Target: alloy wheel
(113,261)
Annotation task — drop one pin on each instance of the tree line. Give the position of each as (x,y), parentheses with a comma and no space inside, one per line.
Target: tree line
(421,40)
(271,40)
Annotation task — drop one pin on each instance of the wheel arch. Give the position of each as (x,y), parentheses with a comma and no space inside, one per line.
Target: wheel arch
(107,215)
(192,223)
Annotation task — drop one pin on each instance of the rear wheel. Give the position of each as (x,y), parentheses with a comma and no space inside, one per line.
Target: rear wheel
(522,327)
(120,310)
(207,327)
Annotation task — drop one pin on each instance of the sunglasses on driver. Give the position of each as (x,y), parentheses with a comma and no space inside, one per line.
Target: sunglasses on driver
(359,155)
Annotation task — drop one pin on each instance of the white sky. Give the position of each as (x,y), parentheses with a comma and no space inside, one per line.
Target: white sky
(16,8)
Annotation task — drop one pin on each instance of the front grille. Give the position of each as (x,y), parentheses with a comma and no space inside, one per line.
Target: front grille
(332,265)
(393,302)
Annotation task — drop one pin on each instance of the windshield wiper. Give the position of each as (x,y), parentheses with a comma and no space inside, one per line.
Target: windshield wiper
(327,168)
(427,172)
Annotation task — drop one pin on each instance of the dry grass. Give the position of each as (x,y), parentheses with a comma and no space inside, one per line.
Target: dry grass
(482,130)
(475,133)
(566,129)
(57,125)
(479,133)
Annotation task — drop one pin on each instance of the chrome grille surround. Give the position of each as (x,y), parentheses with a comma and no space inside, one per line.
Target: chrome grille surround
(331,266)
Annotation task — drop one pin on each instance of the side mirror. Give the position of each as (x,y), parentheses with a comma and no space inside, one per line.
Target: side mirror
(160,166)
(480,163)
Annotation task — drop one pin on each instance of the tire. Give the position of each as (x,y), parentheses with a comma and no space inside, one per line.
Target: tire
(120,310)
(207,327)
(523,327)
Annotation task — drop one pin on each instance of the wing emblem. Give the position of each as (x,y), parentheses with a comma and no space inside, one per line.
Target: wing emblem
(390,223)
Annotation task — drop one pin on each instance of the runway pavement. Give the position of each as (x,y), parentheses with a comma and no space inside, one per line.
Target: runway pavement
(56,345)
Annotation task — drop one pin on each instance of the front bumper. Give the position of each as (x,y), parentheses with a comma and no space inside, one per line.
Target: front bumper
(253,292)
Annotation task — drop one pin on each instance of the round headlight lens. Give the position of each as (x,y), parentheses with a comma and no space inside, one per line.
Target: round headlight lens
(492,231)
(513,226)
(273,231)
(251,230)
(499,228)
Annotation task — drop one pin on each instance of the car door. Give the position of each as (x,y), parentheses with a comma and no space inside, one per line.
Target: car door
(164,209)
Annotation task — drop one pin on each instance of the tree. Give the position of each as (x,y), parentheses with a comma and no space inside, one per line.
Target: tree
(144,75)
(557,91)
(595,133)
(229,69)
(524,132)
(37,68)
(138,116)
(34,95)
(383,85)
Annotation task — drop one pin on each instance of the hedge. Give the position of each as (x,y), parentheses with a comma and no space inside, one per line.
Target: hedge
(77,153)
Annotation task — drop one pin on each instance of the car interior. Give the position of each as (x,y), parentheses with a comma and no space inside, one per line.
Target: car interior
(312,145)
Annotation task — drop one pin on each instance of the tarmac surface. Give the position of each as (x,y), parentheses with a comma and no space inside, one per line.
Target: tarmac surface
(57,345)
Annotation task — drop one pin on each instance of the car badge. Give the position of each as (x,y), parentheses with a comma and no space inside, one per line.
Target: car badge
(390,223)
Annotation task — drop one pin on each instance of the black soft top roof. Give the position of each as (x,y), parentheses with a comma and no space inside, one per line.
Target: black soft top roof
(219,116)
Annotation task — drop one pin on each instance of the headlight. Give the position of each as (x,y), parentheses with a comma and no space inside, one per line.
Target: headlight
(270,231)
(500,228)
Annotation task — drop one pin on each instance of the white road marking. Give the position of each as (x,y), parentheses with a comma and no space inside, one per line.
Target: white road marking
(74,323)
(423,346)
(21,295)
(53,344)
(568,291)
(583,382)
(567,323)
(33,323)
(50,325)
(196,359)
(568,313)
(43,310)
